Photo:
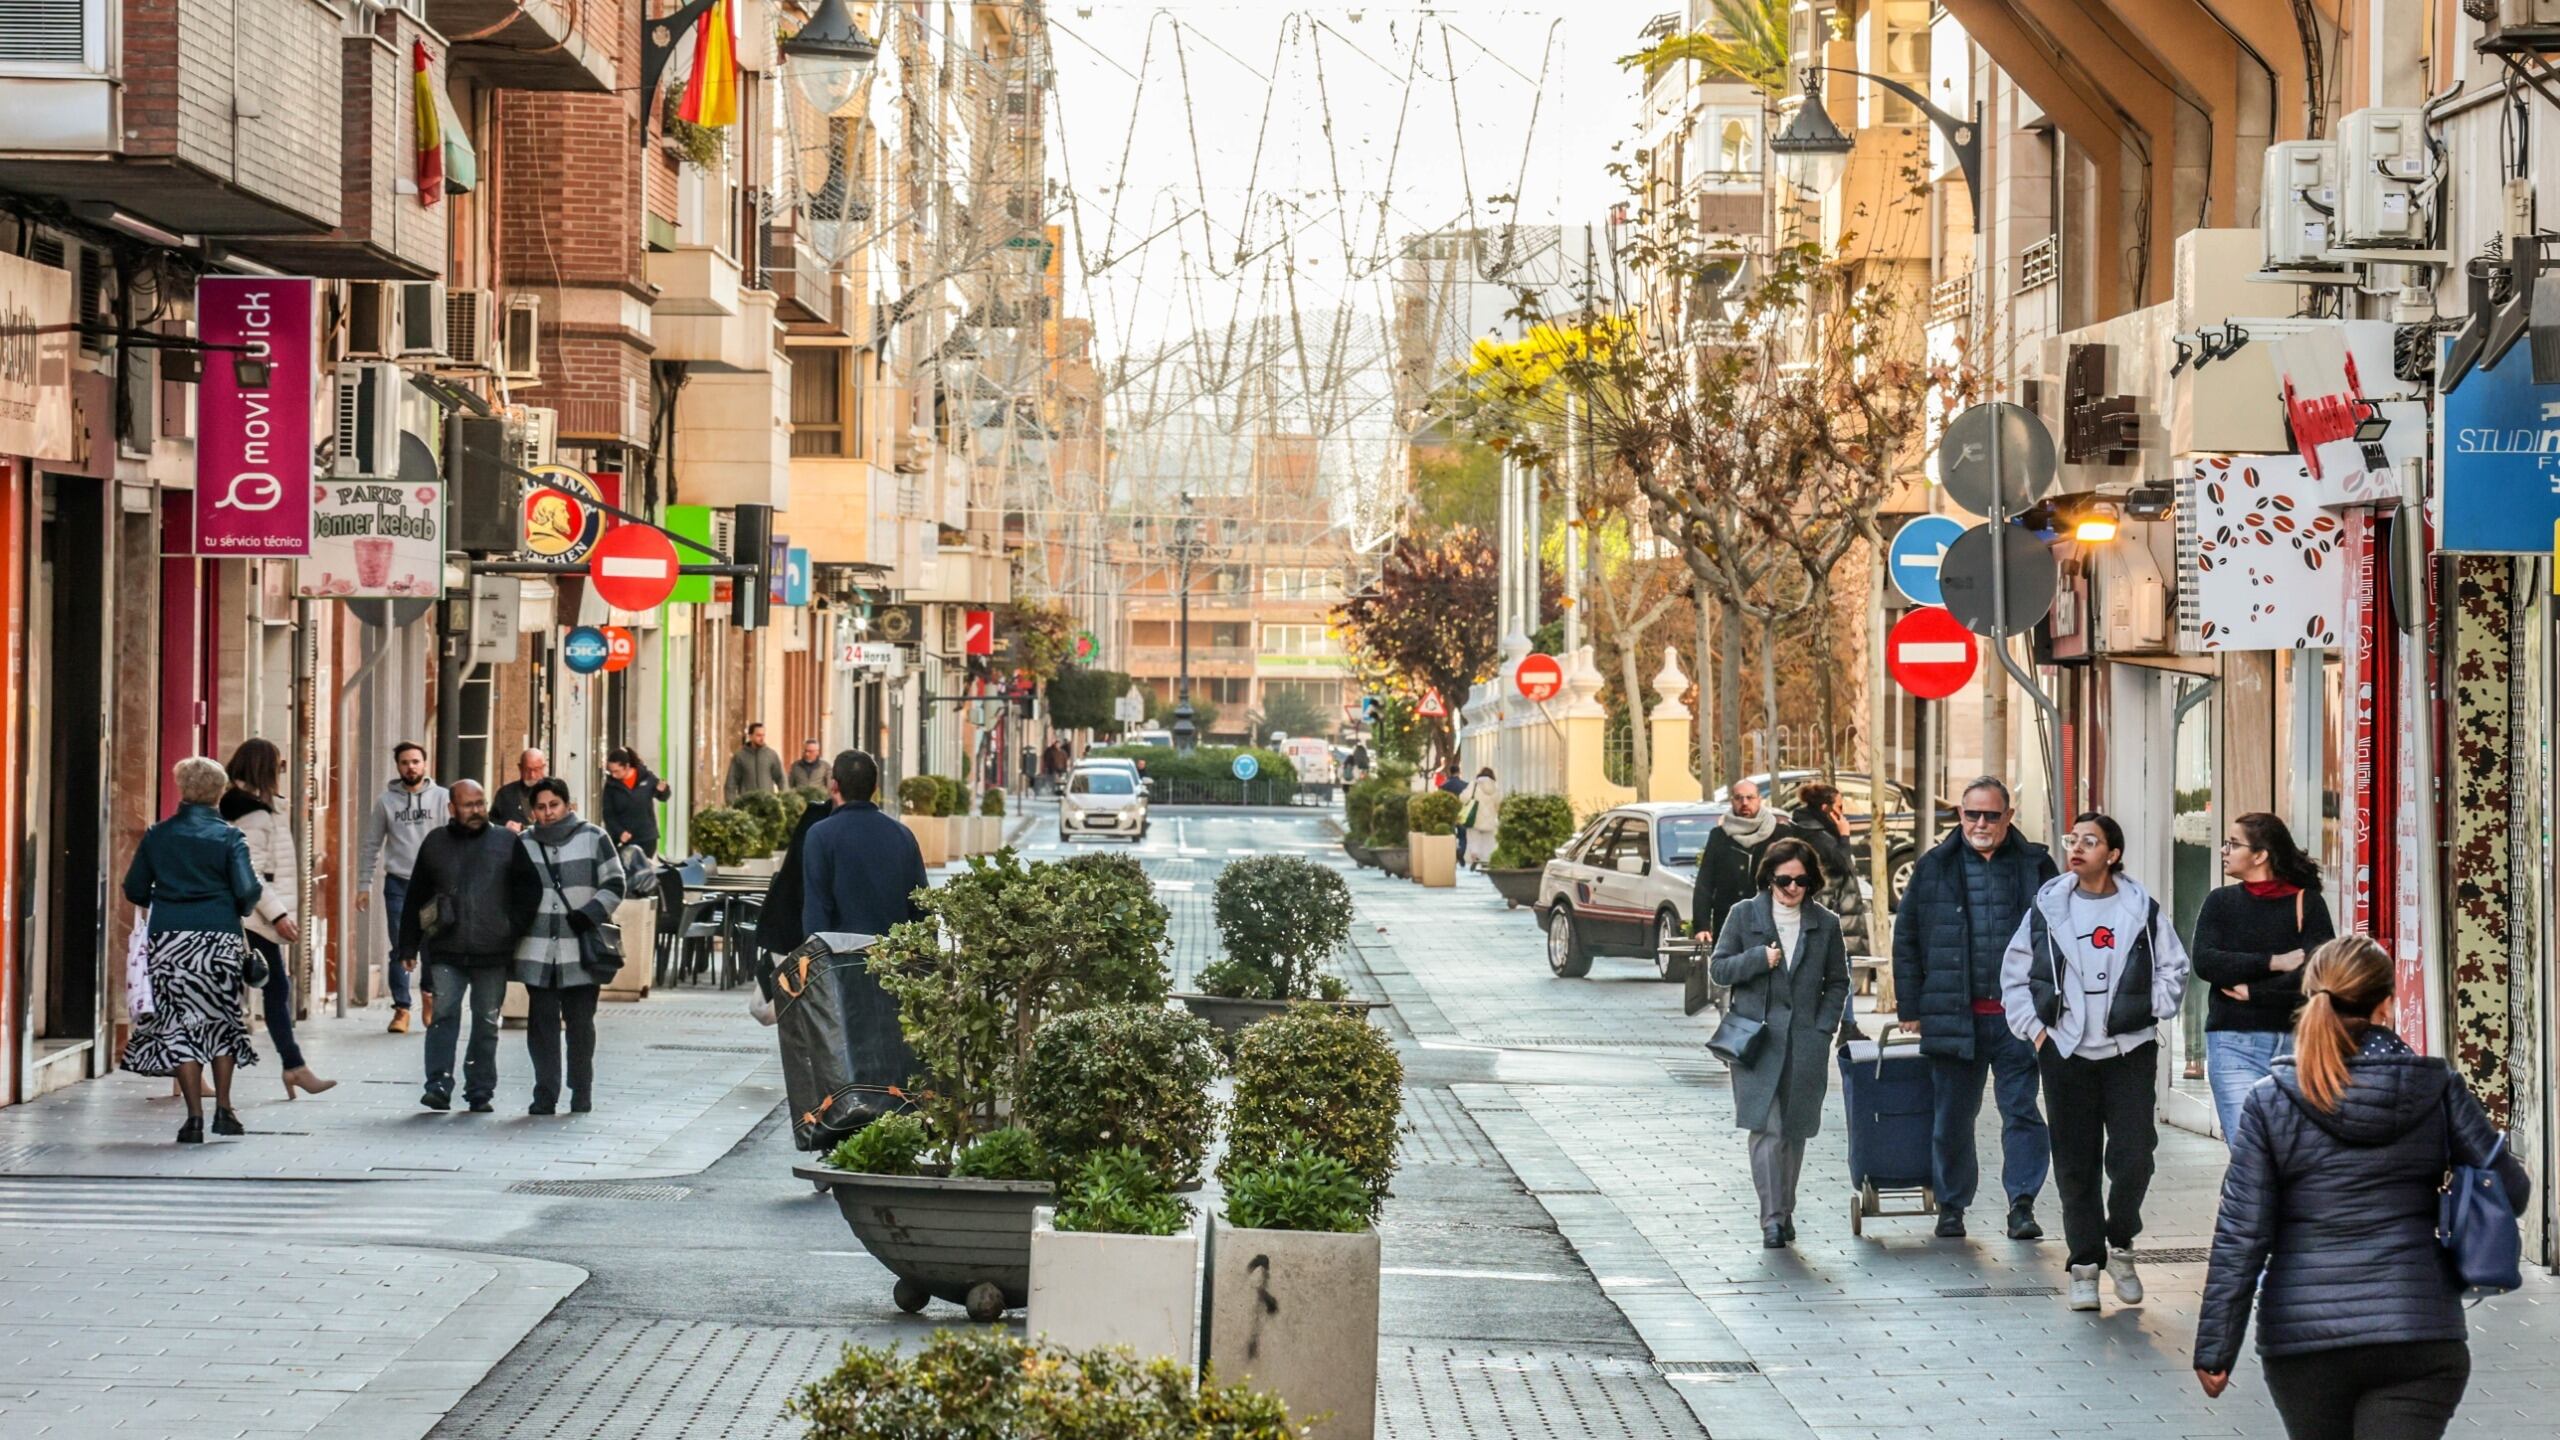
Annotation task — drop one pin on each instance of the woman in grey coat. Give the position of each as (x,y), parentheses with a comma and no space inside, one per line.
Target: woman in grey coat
(1782,956)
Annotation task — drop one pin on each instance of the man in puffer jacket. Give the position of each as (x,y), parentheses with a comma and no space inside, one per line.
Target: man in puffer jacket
(1966,897)
(477,884)
(582,882)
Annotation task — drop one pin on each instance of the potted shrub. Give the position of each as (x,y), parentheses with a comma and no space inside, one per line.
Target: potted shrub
(1529,830)
(774,814)
(1120,1094)
(1359,807)
(990,1382)
(1293,1264)
(1003,947)
(991,809)
(729,837)
(919,809)
(1388,820)
(1282,919)
(1432,838)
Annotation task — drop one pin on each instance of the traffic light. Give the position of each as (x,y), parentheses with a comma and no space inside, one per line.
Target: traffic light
(751,543)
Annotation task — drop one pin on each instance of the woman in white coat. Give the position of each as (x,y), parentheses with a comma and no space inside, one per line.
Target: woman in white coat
(257,775)
(1479,814)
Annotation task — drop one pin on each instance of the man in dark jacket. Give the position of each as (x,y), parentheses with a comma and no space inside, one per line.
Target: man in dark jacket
(778,930)
(470,899)
(1964,902)
(860,868)
(1730,860)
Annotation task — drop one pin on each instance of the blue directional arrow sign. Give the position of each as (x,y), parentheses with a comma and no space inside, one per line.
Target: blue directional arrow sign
(1918,549)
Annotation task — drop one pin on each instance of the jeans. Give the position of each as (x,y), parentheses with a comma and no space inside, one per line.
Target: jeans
(2234,1060)
(2404,1391)
(395,898)
(2105,1121)
(573,1008)
(278,994)
(482,989)
(2026,1150)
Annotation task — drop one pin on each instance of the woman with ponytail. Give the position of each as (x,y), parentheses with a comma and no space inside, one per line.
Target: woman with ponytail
(2252,938)
(2328,1220)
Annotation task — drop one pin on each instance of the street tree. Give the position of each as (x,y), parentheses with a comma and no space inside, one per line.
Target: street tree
(1427,622)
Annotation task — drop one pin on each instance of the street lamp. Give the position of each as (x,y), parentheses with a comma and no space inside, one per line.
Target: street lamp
(1813,150)
(1186,734)
(829,56)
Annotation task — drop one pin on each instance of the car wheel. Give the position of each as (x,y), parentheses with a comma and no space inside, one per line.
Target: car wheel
(1667,933)
(1565,955)
(1898,866)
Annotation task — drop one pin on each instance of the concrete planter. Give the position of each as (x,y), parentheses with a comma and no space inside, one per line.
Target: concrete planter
(762,867)
(1142,1291)
(1517,887)
(639,922)
(1396,860)
(965,1241)
(929,837)
(1228,1014)
(1434,860)
(1297,1312)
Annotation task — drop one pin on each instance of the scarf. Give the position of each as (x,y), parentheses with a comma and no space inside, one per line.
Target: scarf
(557,833)
(2270,889)
(1753,832)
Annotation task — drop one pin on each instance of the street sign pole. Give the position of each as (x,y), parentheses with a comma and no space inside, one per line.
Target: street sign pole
(2052,713)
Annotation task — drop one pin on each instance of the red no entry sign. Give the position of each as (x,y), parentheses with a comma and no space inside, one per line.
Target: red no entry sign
(1539,676)
(1930,653)
(634,567)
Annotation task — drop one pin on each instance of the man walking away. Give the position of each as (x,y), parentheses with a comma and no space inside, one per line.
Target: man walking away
(581,883)
(755,767)
(860,869)
(1964,902)
(470,900)
(408,807)
(778,929)
(513,804)
(810,768)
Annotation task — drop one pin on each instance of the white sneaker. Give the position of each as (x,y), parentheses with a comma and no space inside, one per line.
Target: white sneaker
(2128,1280)
(2084,1287)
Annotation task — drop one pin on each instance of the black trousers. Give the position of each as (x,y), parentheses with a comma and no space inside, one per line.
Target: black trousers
(572,1008)
(2102,1117)
(277,994)
(2407,1391)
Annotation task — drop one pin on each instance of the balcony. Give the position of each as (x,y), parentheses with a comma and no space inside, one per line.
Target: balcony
(800,278)
(1222,661)
(383,233)
(531,44)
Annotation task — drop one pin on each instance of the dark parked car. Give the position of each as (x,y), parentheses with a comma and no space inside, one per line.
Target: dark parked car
(1901,822)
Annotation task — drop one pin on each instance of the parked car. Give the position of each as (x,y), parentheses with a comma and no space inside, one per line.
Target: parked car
(1621,887)
(1103,797)
(1901,823)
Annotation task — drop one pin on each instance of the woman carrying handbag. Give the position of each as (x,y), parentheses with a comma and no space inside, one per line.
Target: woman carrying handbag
(572,948)
(1781,955)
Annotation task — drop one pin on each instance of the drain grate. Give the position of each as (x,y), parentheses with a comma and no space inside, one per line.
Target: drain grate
(1717,1367)
(1998,1292)
(601,1189)
(716,1049)
(2194,1256)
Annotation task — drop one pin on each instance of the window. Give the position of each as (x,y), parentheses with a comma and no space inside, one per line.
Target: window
(1685,836)
(1101,782)
(1300,640)
(1730,160)
(818,403)
(1902,53)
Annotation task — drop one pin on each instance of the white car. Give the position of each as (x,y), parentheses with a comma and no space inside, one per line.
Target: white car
(1622,887)
(1103,798)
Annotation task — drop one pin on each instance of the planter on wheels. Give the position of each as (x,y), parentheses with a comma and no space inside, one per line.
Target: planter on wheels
(1396,860)
(965,1241)
(1517,887)
(1142,1291)
(1296,1312)
(1228,1014)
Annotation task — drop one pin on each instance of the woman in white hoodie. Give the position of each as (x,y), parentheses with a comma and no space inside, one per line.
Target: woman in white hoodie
(2093,970)
(257,774)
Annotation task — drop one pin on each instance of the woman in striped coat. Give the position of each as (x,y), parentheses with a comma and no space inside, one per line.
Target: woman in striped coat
(582,882)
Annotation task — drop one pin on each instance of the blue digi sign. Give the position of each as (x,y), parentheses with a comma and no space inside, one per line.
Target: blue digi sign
(586,650)
(1918,551)
(1245,767)
(2499,460)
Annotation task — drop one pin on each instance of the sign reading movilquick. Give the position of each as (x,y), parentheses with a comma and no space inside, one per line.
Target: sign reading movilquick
(253,442)
(35,360)
(2500,437)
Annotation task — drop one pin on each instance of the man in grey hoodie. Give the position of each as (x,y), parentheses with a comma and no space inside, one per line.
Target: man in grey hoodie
(408,807)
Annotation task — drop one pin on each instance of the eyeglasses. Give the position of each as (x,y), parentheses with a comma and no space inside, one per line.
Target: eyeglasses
(2086,842)
(1982,817)
(1790,882)
(2237,845)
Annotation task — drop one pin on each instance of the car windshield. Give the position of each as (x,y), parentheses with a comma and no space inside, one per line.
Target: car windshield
(1679,838)
(1101,782)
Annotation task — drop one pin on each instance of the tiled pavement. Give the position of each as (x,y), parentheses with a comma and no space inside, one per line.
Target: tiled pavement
(1892,1337)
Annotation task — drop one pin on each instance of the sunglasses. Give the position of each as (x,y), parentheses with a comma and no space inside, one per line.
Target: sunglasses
(1982,817)
(1790,882)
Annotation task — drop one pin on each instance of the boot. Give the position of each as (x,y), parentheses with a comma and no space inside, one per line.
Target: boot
(300,1078)
(400,1021)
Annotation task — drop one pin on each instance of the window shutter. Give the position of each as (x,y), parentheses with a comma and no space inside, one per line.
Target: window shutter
(44,32)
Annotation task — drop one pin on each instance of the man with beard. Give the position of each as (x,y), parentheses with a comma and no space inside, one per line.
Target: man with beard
(470,900)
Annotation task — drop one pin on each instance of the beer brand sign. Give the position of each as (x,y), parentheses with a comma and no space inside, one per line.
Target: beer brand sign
(254,437)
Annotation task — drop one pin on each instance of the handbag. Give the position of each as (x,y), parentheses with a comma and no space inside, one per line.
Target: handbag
(599,945)
(253,966)
(2474,1223)
(1737,1039)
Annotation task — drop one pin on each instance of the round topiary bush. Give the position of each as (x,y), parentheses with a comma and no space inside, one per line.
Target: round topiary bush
(729,837)
(955,796)
(1316,1079)
(1283,916)
(1529,830)
(919,795)
(1123,1075)
(773,814)
(992,803)
(1389,819)
(1433,813)
(1360,807)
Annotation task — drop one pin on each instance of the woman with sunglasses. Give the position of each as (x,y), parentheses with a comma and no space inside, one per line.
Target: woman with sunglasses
(2093,970)
(1780,953)
(2251,940)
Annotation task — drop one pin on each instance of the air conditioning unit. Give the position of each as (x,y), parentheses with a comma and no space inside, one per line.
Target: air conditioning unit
(369,405)
(470,318)
(2299,195)
(421,318)
(2384,175)
(2514,26)
(520,346)
(373,320)
(537,428)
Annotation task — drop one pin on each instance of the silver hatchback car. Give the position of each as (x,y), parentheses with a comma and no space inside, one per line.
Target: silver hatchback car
(1622,887)
(1103,799)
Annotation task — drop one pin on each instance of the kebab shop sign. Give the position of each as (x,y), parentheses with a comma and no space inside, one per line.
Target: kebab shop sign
(253,436)
(373,539)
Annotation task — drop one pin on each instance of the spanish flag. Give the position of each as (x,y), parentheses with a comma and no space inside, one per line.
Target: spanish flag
(430,128)
(711,93)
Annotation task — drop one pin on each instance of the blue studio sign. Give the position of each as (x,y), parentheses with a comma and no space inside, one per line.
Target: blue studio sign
(586,650)
(2500,468)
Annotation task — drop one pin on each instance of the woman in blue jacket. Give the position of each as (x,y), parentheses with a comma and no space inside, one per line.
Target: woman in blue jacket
(2331,1196)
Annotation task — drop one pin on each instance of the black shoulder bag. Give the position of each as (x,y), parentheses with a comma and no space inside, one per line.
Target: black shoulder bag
(599,946)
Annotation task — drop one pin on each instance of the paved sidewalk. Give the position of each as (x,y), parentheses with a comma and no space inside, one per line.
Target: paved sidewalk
(1893,1337)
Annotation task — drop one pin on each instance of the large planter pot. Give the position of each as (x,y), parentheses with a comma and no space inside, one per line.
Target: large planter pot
(1296,1313)
(929,837)
(1434,860)
(1229,1014)
(1142,1291)
(1517,887)
(759,867)
(965,1241)
(1396,860)
(1352,848)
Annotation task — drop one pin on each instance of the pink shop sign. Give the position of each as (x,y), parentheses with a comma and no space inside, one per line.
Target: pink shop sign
(253,442)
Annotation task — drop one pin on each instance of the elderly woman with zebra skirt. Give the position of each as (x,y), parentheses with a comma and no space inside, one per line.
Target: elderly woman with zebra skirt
(193,871)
